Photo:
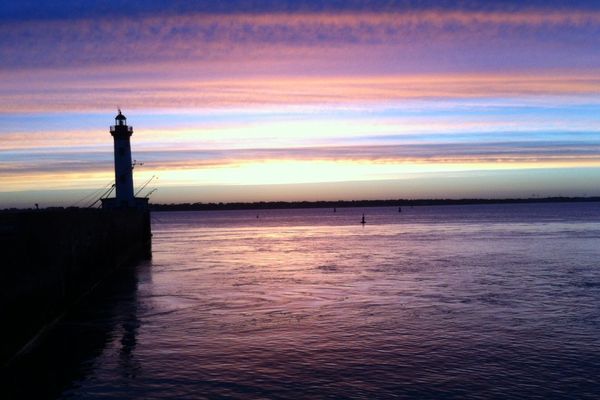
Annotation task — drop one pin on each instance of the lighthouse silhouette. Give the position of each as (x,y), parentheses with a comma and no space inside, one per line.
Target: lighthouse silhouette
(124,197)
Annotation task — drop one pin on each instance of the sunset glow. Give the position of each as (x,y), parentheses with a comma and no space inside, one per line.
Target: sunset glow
(298,94)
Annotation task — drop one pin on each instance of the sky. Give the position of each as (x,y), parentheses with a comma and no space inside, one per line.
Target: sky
(257,100)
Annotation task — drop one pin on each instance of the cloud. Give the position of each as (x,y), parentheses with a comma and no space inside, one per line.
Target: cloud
(368,88)
(252,37)
(64,91)
(582,154)
(73,9)
(207,60)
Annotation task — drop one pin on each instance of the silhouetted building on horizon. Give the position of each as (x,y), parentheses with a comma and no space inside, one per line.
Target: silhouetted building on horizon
(124,197)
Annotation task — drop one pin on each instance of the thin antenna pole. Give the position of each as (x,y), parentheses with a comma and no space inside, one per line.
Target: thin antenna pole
(92,194)
(105,194)
(144,185)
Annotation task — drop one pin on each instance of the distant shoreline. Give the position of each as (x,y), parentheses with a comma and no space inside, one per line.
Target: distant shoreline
(264,205)
(274,205)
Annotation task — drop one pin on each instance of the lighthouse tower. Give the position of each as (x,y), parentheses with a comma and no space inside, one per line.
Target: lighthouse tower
(124,197)
(123,165)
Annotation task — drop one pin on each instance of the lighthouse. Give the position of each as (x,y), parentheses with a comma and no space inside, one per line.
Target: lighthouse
(124,197)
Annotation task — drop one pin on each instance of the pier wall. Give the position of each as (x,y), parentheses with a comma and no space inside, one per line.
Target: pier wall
(50,259)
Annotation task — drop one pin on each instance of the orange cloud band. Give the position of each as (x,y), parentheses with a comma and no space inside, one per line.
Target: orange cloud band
(60,95)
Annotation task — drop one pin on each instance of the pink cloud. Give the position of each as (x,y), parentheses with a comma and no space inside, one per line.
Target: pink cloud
(251,37)
(65,92)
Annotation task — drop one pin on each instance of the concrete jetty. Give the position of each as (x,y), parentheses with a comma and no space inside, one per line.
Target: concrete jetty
(50,259)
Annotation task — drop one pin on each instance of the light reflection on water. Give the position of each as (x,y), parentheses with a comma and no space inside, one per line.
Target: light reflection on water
(433,302)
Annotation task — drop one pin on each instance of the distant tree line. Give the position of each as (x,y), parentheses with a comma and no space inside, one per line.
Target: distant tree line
(263,205)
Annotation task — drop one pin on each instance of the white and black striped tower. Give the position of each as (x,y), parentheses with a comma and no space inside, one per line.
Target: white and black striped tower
(123,165)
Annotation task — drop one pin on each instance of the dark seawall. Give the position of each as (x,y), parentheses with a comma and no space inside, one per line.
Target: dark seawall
(50,259)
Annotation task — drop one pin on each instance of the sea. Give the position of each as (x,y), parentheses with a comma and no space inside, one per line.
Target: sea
(431,302)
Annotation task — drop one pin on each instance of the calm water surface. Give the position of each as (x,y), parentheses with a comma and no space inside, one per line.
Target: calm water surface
(464,302)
